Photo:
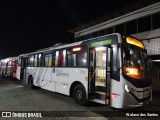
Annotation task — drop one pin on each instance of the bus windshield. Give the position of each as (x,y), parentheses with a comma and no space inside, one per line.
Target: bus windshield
(135,62)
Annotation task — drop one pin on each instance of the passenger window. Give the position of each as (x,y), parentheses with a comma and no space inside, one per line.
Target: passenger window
(35,60)
(60,58)
(30,61)
(72,60)
(39,60)
(48,60)
(81,59)
(56,58)
(64,58)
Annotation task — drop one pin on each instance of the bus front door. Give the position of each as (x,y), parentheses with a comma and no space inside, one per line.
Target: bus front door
(99,74)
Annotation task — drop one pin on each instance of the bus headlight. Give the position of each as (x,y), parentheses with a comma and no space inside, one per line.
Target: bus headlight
(126,88)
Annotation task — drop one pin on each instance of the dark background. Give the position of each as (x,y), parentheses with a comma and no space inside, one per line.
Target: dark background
(29,26)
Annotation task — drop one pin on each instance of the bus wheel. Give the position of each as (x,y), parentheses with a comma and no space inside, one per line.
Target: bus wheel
(30,82)
(79,95)
(3,73)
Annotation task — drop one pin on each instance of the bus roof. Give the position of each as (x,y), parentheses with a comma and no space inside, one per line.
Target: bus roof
(54,47)
(10,58)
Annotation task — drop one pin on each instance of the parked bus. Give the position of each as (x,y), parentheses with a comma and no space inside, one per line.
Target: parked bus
(8,66)
(110,70)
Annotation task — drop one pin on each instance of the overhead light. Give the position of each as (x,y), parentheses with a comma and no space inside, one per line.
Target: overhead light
(77,49)
(100,48)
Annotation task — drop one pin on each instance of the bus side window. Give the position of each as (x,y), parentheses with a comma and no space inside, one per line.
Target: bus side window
(31,60)
(82,59)
(71,60)
(56,58)
(60,58)
(48,60)
(35,60)
(64,58)
(39,60)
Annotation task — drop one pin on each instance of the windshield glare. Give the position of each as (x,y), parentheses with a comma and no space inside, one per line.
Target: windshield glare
(134,62)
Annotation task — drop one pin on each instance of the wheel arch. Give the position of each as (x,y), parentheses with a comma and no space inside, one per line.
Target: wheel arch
(75,83)
(29,78)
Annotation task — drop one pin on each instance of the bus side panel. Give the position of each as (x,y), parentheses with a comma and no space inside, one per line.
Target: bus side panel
(18,73)
(64,77)
(32,71)
(60,77)
(79,74)
(116,92)
(44,79)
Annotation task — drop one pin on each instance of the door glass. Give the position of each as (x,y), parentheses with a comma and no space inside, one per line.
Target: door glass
(100,77)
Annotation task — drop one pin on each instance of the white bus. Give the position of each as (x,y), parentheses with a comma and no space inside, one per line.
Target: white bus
(110,70)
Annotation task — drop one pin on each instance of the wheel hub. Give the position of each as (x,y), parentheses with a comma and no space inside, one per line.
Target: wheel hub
(79,95)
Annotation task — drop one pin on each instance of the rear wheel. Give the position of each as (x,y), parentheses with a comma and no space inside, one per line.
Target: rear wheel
(79,95)
(30,82)
(3,73)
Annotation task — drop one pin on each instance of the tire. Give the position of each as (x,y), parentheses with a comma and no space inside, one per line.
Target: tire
(79,95)
(3,73)
(30,82)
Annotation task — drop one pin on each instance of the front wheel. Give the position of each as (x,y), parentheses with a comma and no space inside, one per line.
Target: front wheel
(30,82)
(79,95)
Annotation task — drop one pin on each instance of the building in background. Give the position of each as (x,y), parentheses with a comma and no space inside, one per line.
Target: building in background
(143,23)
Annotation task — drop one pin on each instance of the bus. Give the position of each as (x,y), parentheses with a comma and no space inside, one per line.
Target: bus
(110,70)
(8,66)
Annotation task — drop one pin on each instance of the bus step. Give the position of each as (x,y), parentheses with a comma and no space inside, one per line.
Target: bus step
(99,101)
(100,88)
(100,95)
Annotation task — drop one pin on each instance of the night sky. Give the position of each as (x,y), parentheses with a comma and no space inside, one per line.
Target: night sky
(29,26)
